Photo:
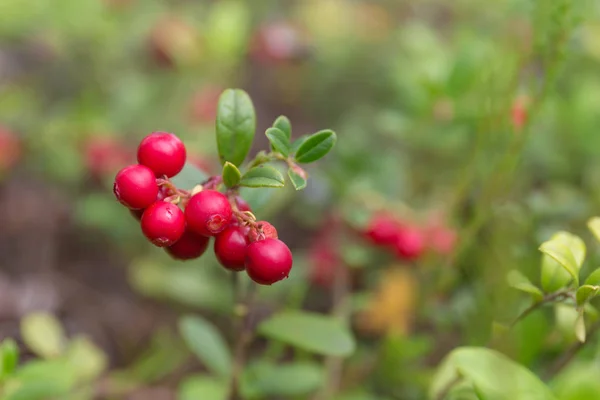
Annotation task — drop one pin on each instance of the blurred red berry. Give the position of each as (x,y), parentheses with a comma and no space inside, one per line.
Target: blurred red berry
(208,213)
(268,261)
(519,113)
(383,230)
(163,223)
(324,262)
(189,246)
(264,230)
(10,149)
(230,248)
(204,104)
(162,152)
(278,42)
(105,155)
(135,187)
(442,240)
(410,243)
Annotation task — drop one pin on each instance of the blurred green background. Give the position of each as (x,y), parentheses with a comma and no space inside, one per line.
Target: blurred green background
(478,116)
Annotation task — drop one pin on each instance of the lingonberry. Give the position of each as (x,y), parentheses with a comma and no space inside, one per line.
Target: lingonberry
(162,152)
(163,223)
(162,194)
(324,262)
(135,187)
(410,243)
(208,212)
(268,261)
(263,230)
(383,230)
(189,246)
(442,239)
(230,247)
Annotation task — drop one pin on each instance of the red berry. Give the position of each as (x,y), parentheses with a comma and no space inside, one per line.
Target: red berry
(324,262)
(410,243)
(189,246)
(268,261)
(163,223)
(162,152)
(264,230)
(230,247)
(383,230)
(135,187)
(10,149)
(208,212)
(442,240)
(162,194)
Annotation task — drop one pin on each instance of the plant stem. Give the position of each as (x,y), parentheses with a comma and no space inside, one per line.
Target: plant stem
(549,298)
(243,328)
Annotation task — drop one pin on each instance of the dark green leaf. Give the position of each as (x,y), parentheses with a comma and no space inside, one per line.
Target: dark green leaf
(316,146)
(202,387)
(585,293)
(492,374)
(231,174)
(285,380)
(279,141)
(263,176)
(309,331)
(9,353)
(298,142)
(236,124)
(283,123)
(206,343)
(520,282)
(298,181)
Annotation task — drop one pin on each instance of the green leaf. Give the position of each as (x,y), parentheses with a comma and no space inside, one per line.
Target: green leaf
(202,387)
(568,250)
(594,226)
(309,331)
(520,282)
(586,293)
(9,357)
(231,174)
(189,177)
(279,141)
(298,142)
(298,181)
(554,276)
(316,146)
(580,328)
(206,343)
(593,278)
(42,380)
(492,374)
(236,124)
(266,379)
(262,176)
(88,360)
(43,334)
(283,123)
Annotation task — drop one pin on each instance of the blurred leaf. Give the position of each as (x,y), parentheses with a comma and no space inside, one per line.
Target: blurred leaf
(593,278)
(202,387)
(580,328)
(164,355)
(312,332)
(298,182)
(207,343)
(579,381)
(316,146)
(88,360)
(262,176)
(279,141)
(585,293)
(282,380)
(227,31)
(231,175)
(554,276)
(568,250)
(594,226)
(520,282)
(492,374)
(9,357)
(43,379)
(283,123)
(189,177)
(236,124)
(43,334)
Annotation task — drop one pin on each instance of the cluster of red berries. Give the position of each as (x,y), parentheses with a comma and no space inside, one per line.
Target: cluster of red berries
(241,242)
(408,240)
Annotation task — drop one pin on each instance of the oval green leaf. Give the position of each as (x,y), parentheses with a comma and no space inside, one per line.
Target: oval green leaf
(206,342)
(492,375)
(231,174)
(262,176)
(236,124)
(593,278)
(594,226)
(554,276)
(586,293)
(568,250)
(283,123)
(316,146)
(298,181)
(43,334)
(520,282)
(202,387)
(279,141)
(87,359)
(284,380)
(309,331)
(9,357)
(298,142)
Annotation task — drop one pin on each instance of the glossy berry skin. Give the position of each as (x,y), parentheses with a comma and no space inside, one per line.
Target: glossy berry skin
(410,243)
(230,247)
(208,213)
(162,152)
(163,223)
(265,231)
(162,194)
(189,246)
(268,261)
(383,230)
(135,187)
